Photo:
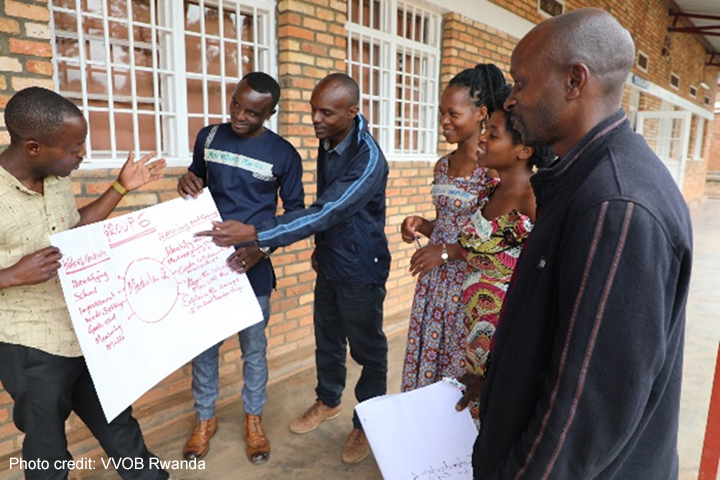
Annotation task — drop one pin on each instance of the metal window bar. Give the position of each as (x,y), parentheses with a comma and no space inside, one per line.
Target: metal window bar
(156,89)
(413,103)
(256,58)
(413,20)
(83,73)
(223,90)
(175,131)
(203,57)
(361,50)
(371,71)
(238,38)
(110,82)
(133,81)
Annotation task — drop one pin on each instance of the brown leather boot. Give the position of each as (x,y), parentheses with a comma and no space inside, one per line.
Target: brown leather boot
(198,444)
(258,445)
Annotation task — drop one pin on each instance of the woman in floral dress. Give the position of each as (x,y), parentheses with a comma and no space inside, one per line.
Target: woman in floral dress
(436,338)
(492,239)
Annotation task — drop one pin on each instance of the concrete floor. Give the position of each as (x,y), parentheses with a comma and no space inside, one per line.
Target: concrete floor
(702,335)
(316,455)
(312,456)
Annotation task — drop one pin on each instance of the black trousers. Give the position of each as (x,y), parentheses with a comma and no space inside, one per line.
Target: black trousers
(45,389)
(349,313)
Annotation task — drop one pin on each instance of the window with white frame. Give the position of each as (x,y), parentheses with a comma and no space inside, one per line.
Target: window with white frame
(149,74)
(699,137)
(394,55)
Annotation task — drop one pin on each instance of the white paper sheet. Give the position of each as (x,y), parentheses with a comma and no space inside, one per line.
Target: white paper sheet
(419,435)
(146,297)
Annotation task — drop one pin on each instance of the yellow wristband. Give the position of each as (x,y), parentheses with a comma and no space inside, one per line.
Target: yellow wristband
(119,188)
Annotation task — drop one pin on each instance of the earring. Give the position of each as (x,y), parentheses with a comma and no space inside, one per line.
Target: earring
(483,124)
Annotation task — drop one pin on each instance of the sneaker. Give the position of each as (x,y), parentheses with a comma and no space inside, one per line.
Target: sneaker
(314,416)
(356,447)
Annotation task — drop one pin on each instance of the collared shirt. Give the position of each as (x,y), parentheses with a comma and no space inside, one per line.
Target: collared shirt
(335,156)
(35,315)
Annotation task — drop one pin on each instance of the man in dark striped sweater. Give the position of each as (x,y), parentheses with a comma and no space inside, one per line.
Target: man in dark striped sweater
(585,371)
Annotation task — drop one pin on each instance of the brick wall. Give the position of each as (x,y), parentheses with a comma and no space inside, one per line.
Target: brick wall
(25,50)
(648,20)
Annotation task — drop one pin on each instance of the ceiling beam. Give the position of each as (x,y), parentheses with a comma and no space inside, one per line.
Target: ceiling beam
(714,60)
(697,30)
(676,14)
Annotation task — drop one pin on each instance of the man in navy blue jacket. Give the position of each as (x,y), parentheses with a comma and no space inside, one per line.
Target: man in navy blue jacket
(244,165)
(351,254)
(584,376)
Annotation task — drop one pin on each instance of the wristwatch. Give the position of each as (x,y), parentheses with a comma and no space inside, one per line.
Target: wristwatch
(265,251)
(444,255)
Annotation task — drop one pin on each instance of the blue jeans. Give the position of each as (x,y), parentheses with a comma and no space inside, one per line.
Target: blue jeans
(253,345)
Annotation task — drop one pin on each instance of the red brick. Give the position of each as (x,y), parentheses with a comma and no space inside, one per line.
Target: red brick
(9,25)
(296,32)
(39,67)
(4,99)
(27,47)
(22,10)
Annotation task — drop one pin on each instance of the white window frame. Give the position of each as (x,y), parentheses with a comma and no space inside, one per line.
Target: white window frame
(634,107)
(170,110)
(672,76)
(693,91)
(390,45)
(546,14)
(647,61)
(699,139)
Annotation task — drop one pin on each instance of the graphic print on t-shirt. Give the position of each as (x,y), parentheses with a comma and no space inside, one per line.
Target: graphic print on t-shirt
(260,170)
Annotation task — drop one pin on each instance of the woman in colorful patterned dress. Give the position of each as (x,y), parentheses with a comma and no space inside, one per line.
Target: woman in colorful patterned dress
(436,339)
(491,241)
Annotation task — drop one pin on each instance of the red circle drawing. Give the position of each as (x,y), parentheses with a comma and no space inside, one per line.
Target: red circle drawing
(150,289)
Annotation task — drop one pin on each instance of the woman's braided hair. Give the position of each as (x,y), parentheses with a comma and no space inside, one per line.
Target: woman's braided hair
(482,81)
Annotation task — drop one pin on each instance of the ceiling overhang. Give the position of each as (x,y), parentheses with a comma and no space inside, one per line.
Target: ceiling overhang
(700,18)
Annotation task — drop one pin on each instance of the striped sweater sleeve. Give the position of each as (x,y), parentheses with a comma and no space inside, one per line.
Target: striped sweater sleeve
(344,197)
(616,285)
